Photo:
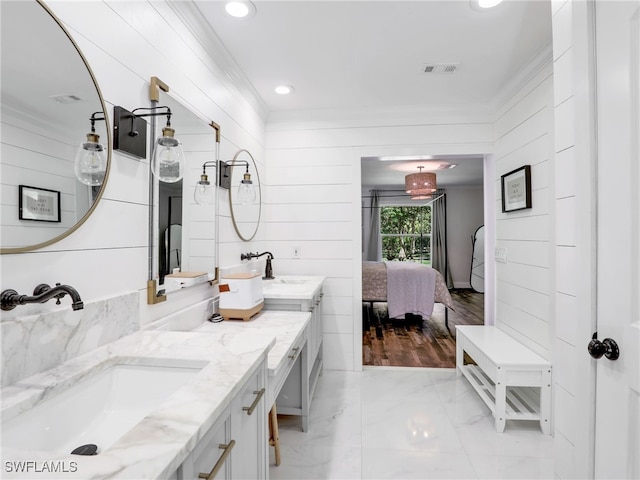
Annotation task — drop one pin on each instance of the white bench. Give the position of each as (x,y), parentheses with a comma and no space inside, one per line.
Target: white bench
(513,381)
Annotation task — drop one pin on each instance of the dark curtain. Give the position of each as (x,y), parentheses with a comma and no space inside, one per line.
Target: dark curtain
(439,259)
(374,247)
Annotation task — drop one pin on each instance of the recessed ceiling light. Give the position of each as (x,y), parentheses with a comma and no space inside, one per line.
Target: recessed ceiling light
(428,166)
(240,9)
(481,5)
(284,89)
(400,158)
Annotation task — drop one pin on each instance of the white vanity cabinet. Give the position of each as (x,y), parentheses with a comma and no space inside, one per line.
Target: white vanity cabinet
(212,454)
(295,396)
(235,446)
(249,423)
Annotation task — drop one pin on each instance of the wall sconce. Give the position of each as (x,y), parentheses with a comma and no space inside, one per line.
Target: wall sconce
(167,162)
(204,192)
(420,185)
(246,189)
(90,165)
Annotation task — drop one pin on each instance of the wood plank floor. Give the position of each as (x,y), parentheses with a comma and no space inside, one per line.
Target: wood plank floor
(425,343)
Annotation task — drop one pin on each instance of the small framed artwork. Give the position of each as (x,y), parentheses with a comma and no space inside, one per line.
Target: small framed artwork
(516,189)
(38,204)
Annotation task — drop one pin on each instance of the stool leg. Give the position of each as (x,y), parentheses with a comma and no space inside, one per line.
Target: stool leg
(274,437)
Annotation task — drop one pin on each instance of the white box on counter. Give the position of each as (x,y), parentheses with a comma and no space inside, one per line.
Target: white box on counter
(241,295)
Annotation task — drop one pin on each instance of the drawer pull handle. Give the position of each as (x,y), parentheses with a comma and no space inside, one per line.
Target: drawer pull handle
(253,406)
(216,468)
(294,352)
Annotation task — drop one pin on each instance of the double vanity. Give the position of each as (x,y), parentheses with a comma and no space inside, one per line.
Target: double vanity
(168,403)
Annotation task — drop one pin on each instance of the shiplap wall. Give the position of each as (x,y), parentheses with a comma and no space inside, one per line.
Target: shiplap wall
(126,44)
(314,200)
(524,293)
(52,159)
(575,226)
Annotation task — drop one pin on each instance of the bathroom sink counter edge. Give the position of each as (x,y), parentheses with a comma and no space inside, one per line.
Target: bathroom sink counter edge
(157,445)
(292,287)
(287,327)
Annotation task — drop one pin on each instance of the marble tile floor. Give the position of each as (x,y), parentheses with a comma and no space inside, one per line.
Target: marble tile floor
(406,423)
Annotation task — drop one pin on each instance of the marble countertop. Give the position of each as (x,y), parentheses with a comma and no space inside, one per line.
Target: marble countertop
(294,287)
(286,327)
(157,445)
(229,354)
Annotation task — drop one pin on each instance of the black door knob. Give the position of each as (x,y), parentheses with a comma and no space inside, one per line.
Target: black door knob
(607,347)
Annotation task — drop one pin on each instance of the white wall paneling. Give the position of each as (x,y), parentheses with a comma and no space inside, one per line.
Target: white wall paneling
(566,328)
(574,243)
(524,136)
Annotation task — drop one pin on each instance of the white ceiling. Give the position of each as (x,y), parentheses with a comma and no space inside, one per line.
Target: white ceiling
(371,55)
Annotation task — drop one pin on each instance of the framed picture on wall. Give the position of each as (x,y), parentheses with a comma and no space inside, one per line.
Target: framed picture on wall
(516,189)
(38,204)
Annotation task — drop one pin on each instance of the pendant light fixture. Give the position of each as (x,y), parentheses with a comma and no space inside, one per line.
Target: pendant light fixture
(246,193)
(204,193)
(167,160)
(246,190)
(420,185)
(168,157)
(90,166)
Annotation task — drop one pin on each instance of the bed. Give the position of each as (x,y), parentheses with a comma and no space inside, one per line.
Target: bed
(376,287)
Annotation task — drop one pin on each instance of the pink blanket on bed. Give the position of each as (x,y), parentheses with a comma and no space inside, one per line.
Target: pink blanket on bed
(410,289)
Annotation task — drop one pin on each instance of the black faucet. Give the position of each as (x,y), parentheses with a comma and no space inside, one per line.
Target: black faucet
(268,271)
(10,299)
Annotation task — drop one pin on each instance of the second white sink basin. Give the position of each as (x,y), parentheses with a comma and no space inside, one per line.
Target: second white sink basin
(289,281)
(97,410)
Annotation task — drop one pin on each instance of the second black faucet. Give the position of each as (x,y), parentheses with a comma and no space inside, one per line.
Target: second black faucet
(268,271)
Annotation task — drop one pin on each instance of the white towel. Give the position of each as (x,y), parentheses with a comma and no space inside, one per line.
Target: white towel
(410,289)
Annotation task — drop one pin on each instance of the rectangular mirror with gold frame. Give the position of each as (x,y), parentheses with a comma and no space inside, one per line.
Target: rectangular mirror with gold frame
(185,233)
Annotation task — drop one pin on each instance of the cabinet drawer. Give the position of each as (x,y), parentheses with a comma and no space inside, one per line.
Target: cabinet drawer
(213,451)
(249,397)
(249,421)
(293,357)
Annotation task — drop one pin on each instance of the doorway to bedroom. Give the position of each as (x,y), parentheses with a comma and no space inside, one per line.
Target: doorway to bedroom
(435,233)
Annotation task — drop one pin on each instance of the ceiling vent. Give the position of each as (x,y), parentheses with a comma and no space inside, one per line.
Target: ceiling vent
(440,68)
(66,98)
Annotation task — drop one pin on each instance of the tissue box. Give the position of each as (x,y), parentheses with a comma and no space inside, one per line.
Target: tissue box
(241,295)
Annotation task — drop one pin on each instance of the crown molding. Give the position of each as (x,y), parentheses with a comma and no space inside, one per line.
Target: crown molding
(383,116)
(526,74)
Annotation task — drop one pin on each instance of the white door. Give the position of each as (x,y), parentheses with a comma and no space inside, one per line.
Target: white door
(617,428)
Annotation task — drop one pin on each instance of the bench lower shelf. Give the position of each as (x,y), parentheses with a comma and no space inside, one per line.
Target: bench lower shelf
(515,386)
(522,403)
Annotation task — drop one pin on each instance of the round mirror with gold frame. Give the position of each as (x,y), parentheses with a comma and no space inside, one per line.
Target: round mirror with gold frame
(49,97)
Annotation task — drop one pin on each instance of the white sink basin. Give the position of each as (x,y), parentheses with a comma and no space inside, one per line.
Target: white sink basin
(97,410)
(289,281)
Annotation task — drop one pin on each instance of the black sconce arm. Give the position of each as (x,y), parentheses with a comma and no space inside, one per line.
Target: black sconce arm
(134,115)
(234,163)
(207,164)
(223,177)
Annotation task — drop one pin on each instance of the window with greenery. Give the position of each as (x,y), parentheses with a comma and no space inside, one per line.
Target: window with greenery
(406,233)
